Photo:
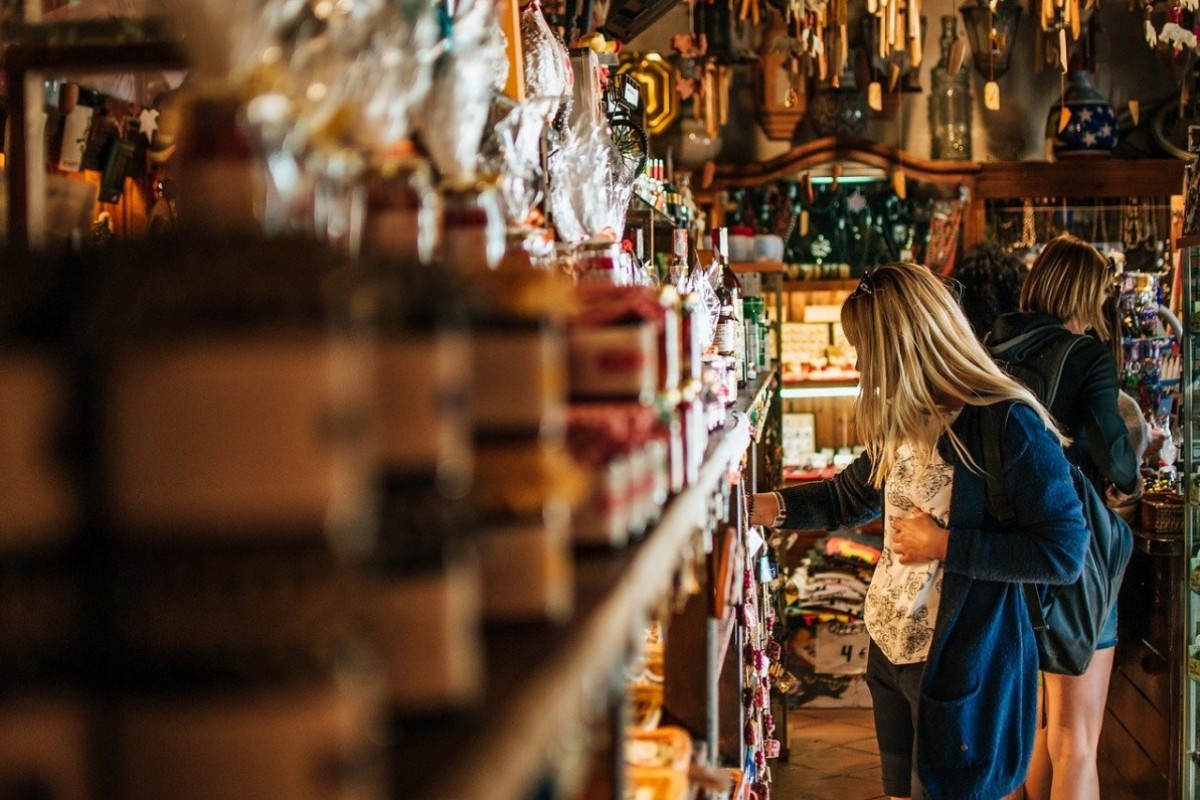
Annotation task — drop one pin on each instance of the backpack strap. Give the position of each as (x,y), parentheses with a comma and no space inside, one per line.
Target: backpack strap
(993,466)
(998,350)
(1055,355)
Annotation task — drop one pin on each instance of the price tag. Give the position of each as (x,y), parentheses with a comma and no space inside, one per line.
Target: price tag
(958,54)
(875,96)
(991,96)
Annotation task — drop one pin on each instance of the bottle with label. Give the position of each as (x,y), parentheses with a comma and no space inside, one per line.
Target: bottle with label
(677,268)
(752,310)
(518,410)
(424,581)
(729,289)
(224,405)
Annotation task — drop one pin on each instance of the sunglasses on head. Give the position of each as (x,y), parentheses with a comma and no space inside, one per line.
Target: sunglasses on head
(866,285)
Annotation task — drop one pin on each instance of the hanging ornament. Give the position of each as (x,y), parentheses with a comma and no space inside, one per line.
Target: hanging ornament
(958,55)
(875,96)
(991,96)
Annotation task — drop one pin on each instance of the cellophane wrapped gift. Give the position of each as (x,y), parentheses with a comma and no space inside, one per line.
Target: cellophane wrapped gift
(458,105)
(589,197)
(512,153)
(545,59)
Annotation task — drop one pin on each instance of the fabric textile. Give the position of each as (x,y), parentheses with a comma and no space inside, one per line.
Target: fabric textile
(903,599)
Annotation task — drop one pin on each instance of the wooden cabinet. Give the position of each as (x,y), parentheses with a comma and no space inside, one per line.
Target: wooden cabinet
(980,182)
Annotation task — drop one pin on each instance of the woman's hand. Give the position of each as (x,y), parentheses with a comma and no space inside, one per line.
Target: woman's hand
(766,509)
(919,539)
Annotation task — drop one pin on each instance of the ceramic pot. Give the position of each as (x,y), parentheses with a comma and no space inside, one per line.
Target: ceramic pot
(1092,128)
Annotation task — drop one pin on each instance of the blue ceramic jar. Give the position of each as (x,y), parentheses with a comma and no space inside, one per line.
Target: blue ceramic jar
(1092,128)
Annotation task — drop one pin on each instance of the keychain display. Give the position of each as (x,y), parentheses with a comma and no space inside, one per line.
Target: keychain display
(1151,354)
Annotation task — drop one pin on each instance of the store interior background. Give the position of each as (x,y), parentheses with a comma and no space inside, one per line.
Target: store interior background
(831,747)
(1128,69)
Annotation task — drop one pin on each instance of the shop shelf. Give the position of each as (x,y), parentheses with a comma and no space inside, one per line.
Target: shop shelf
(821,285)
(540,676)
(758,266)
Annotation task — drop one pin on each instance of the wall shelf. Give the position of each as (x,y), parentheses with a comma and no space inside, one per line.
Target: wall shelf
(758,266)
(822,285)
(797,390)
(541,676)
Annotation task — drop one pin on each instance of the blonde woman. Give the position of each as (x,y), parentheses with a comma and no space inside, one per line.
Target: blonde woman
(952,666)
(1062,299)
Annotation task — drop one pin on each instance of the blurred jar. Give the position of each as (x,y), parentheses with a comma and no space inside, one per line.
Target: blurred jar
(473,235)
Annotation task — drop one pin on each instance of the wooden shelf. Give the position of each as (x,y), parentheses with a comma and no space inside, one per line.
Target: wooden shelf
(827,150)
(822,285)
(757,266)
(754,399)
(1187,241)
(1102,177)
(540,676)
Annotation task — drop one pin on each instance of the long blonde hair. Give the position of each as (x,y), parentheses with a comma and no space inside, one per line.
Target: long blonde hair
(1070,280)
(919,360)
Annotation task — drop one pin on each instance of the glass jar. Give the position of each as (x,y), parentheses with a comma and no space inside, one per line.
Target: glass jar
(950,103)
(473,235)
(401,221)
(600,262)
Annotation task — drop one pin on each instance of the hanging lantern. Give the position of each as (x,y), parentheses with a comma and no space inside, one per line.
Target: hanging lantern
(992,29)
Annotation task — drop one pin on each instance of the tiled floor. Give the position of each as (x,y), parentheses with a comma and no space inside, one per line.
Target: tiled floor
(833,757)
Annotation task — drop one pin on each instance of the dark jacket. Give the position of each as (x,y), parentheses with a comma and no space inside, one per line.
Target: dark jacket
(1085,406)
(978,703)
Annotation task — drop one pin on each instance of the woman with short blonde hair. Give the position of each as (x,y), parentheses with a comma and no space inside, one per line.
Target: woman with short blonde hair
(1070,280)
(952,665)
(1062,300)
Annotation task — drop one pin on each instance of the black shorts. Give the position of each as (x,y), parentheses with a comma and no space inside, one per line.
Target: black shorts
(895,691)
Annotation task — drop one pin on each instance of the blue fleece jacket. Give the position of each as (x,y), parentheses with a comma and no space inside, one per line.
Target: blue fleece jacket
(978,706)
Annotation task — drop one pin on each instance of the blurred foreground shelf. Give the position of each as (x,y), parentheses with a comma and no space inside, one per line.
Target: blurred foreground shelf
(544,680)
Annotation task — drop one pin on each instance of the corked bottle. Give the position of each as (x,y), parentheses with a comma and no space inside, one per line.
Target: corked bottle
(225,408)
(43,715)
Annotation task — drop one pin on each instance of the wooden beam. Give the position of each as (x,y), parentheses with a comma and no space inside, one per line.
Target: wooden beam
(510,23)
(1094,177)
(831,149)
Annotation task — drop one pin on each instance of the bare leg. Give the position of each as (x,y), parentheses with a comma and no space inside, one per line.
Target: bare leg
(1076,714)
(1037,782)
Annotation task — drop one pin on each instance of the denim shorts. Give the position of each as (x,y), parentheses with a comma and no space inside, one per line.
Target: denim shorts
(1108,635)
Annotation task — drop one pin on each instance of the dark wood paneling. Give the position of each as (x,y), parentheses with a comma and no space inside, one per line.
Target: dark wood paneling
(1098,178)
(1150,727)
(1141,735)
(1125,769)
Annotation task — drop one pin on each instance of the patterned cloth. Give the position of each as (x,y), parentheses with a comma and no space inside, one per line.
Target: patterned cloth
(902,601)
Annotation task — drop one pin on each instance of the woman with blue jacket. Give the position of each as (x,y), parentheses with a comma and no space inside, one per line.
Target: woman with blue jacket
(952,666)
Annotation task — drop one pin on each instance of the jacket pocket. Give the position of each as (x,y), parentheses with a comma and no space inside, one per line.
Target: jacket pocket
(955,747)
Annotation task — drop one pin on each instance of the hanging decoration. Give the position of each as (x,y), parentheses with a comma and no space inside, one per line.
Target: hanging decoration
(894,37)
(992,29)
(1061,22)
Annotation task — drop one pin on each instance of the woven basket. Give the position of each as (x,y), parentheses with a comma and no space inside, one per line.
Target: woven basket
(1162,514)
